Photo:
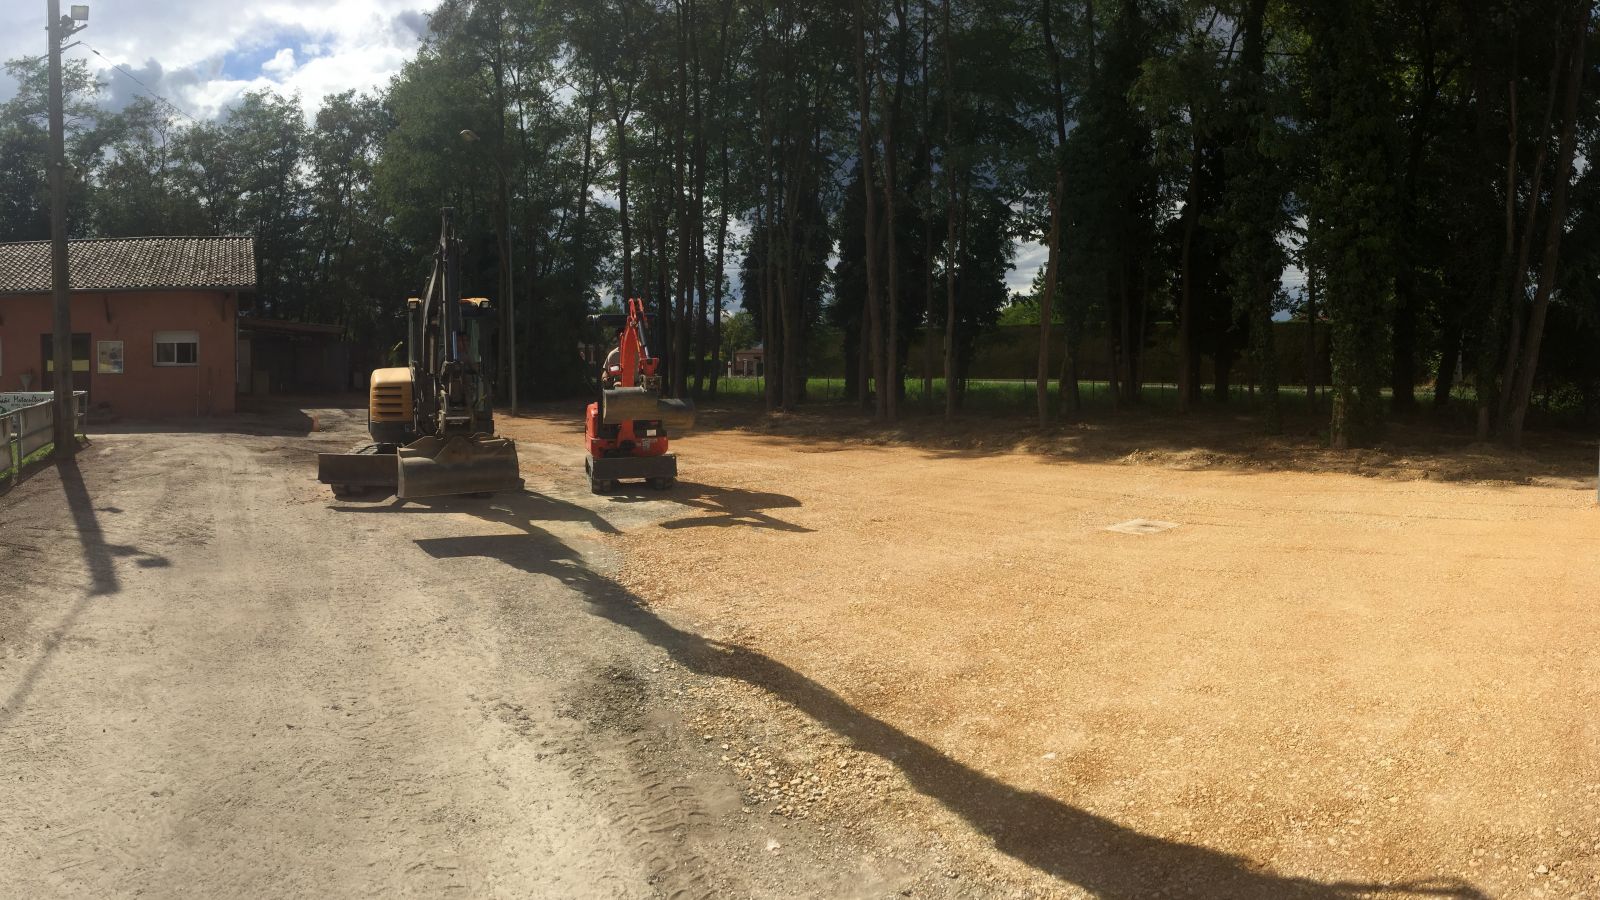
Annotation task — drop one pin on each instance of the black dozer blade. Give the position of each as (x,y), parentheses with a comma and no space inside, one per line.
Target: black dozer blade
(358,470)
(459,464)
(630,404)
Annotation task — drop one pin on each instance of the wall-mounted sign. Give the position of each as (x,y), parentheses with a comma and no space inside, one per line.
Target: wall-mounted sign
(110,357)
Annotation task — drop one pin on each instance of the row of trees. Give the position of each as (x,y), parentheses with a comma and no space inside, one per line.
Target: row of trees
(873,164)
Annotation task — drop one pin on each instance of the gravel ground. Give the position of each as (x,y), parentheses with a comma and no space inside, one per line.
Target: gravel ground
(1317,684)
(820,666)
(216,680)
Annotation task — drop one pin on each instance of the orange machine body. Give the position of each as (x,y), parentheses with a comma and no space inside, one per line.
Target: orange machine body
(635,368)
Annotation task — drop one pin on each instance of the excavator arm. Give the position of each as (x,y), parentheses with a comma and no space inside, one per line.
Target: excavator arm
(449,442)
(637,394)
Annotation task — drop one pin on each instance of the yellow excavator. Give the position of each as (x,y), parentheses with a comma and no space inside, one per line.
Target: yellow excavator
(432,420)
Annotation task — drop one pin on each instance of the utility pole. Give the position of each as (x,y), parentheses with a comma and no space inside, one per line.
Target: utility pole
(66,438)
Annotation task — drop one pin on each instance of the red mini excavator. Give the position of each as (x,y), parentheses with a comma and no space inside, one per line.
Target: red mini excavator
(627,429)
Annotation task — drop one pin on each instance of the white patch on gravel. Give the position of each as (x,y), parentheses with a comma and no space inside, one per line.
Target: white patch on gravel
(1141,526)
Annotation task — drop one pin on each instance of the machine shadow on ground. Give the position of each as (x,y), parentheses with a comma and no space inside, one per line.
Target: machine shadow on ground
(1068,843)
(99,560)
(720,507)
(714,507)
(519,509)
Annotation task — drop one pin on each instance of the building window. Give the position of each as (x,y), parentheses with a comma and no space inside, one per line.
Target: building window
(177,348)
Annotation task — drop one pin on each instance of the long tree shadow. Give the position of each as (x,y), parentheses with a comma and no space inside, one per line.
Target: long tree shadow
(99,558)
(1072,844)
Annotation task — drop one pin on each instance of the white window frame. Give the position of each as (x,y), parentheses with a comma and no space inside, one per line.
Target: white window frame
(175,338)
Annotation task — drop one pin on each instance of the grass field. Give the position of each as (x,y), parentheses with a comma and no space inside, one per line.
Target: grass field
(1014,395)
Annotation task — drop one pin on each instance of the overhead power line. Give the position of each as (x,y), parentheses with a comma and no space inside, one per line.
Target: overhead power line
(145,87)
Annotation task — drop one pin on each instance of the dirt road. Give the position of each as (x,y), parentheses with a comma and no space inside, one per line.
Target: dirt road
(217,681)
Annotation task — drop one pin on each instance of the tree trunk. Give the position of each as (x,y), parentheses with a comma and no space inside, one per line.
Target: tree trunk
(1264,355)
(1487,385)
(1117,307)
(1311,339)
(1556,225)
(1135,351)
(716,306)
(894,382)
(1403,350)
(580,215)
(952,260)
(927,219)
(1071,397)
(722,197)
(1188,389)
(502,219)
(874,318)
(1222,371)
(1516,296)
(1052,264)
(1449,359)
(952,250)
(772,353)
(620,117)
(698,206)
(1047,299)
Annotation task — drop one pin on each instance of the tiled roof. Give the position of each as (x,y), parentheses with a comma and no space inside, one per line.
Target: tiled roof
(123,264)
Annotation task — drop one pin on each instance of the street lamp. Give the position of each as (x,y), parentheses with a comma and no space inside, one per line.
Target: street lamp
(504,225)
(60,28)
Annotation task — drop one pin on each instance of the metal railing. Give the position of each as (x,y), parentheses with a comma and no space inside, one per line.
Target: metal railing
(27,424)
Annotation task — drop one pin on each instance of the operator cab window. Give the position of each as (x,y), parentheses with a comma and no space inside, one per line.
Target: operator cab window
(177,348)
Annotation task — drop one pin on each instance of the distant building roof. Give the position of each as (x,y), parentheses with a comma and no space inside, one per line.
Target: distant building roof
(131,264)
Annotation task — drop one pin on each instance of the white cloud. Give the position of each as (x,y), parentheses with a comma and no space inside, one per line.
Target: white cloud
(281,65)
(203,55)
(1030,258)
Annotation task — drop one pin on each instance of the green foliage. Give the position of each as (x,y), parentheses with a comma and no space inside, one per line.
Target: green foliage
(24,147)
(739,333)
(706,154)
(1352,208)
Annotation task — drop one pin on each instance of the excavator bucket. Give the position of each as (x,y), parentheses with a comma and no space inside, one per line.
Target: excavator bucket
(629,404)
(459,464)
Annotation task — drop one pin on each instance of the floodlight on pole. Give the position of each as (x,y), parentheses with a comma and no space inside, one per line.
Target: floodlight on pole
(80,13)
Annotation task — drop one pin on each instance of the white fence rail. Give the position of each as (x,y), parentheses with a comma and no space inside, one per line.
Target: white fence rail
(27,423)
